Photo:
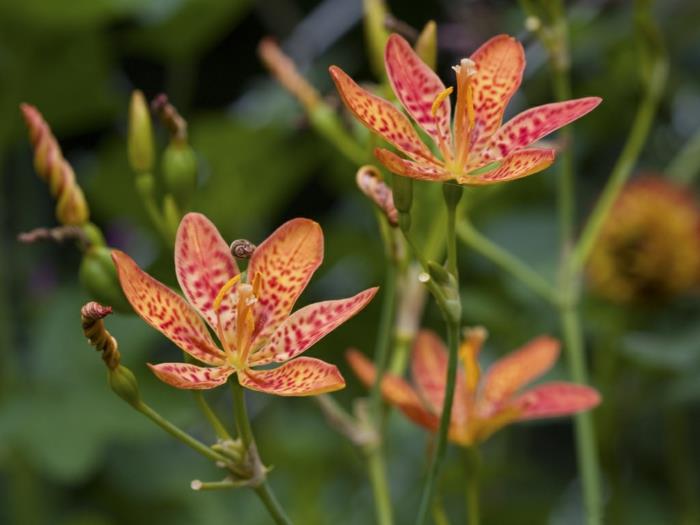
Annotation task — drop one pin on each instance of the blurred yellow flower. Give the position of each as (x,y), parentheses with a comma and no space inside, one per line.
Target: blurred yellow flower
(649,248)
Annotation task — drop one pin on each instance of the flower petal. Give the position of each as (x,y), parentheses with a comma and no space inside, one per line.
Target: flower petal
(429,369)
(556,399)
(517,165)
(286,260)
(191,377)
(304,376)
(380,116)
(203,264)
(395,390)
(535,123)
(308,325)
(407,168)
(166,311)
(509,374)
(417,86)
(499,69)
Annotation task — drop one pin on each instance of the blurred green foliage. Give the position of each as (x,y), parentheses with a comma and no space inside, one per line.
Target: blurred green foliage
(72,453)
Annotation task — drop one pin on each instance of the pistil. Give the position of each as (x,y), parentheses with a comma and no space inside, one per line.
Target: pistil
(464,114)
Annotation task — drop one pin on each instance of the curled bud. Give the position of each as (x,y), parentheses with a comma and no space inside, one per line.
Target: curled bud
(141,149)
(71,208)
(91,318)
(286,73)
(426,45)
(242,248)
(370,182)
(99,277)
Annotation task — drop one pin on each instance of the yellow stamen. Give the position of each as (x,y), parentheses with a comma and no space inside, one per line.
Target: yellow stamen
(468,352)
(438,100)
(224,289)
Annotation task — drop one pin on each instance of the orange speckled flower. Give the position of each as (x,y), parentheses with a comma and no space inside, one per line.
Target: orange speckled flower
(479,149)
(252,320)
(649,247)
(482,404)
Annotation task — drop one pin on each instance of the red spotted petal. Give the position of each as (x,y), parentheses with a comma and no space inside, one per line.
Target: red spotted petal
(395,390)
(535,123)
(380,116)
(516,370)
(166,311)
(517,165)
(407,168)
(304,376)
(429,369)
(417,86)
(191,377)
(556,399)
(203,264)
(286,260)
(499,69)
(307,326)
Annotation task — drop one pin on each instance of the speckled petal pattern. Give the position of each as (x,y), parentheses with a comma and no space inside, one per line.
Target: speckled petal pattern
(191,377)
(304,376)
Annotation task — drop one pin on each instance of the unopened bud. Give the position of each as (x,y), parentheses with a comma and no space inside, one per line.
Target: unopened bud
(285,71)
(141,149)
(99,277)
(242,249)
(91,319)
(52,167)
(180,171)
(426,45)
(370,182)
(124,384)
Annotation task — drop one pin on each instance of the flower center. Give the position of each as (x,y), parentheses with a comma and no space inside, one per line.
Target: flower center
(464,114)
(247,296)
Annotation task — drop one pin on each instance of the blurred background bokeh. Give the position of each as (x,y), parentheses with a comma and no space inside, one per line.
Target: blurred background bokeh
(72,453)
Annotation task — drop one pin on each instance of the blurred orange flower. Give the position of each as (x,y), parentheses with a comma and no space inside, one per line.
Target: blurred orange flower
(485,403)
(252,320)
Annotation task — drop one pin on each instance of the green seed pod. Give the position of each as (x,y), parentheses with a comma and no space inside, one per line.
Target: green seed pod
(99,277)
(180,171)
(140,144)
(124,384)
(426,45)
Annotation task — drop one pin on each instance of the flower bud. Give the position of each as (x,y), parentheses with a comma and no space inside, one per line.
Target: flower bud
(124,384)
(171,215)
(99,277)
(370,182)
(180,171)
(426,45)
(71,207)
(141,149)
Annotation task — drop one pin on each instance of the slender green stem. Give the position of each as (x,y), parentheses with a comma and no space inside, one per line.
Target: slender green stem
(245,432)
(178,433)
(214,421)
(380,484)
(506,261)
(273,506)
(145,186)
(473,466)
(624,165)
(586,445)
(439,514)
(452,312)
(326,123)
(440,449)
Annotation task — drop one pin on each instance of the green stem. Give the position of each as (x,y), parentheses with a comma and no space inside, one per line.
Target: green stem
(441,443)
(325,121)
(380,484)
(473,461)
(453,194)
(245,432)
(375,452)
(506,261)
(624,165)
(214,421)
(145,186)
(586,445)
(178,433)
